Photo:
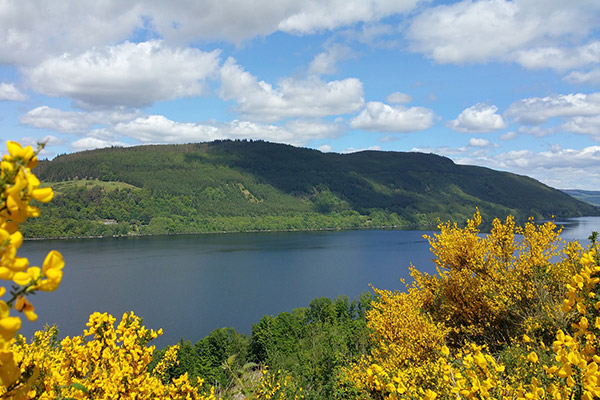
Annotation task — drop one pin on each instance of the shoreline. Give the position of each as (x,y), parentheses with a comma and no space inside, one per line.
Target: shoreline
(383,227)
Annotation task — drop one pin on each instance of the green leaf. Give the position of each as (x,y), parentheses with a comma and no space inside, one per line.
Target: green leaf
(79,386)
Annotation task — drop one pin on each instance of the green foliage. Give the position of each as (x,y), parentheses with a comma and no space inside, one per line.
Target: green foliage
(254,185)
(309,344)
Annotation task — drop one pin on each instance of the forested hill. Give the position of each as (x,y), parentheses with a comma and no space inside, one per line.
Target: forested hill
(589,196)
(256,185)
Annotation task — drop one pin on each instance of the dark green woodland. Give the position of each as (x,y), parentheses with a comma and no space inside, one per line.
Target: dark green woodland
(228,186)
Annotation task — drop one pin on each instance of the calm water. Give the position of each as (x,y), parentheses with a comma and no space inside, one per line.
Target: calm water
(190,285)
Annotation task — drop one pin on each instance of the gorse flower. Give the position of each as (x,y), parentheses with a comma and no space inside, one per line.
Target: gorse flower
(19,186)
(503,318)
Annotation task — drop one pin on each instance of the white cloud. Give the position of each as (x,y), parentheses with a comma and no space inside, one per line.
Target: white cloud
(538,110)
(355,150)
(239,20)
(591,77)
(159,129)
(381,117)
(128,74)
(305,130)
(32,31)
(537,131)
(584,126)
(519,30)
(477,142)
(316,15)
(509,135)
(325,148)
(559,168)
(90,143)
(326,62)
(560,58)
(8,91)
(445,151)
(48,140)
(292,98)
(399,98)
(556,167)
(479,118)
(77,122)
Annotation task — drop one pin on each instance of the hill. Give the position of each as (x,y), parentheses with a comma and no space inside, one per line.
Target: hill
(256,185)
(589,196)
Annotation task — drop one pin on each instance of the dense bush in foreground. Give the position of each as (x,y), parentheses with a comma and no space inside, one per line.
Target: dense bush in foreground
(503,318)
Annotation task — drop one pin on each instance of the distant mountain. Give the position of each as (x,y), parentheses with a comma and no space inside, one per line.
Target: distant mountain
(589,196)
(256,185)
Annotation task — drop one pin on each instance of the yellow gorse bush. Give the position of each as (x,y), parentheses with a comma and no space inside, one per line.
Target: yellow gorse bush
(105,362)
(509,315)
(18,187)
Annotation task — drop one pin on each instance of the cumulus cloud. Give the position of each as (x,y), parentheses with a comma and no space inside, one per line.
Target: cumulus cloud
(518,30)
(291,98)
(584,126)
(355,150)
(159,129)
(76,122)
(477,142)
(479,118)
(560,58)
(9,92)
(591,77)
(556,167)
(588,157)
(537,131)
(442,150)
(559,168)
(32,31)
(399,98)
(508,135)
(316,15)
(382,117)
(212,19)
(90,143)
(538,110)
(326,62)
(129,74)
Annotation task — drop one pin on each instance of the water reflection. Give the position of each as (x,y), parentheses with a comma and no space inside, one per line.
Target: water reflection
(579,228)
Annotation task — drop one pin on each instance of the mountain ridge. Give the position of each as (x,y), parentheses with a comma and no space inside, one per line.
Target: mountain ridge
(256,185)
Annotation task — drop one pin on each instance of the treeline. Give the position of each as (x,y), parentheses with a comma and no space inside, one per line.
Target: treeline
(311,344)
(247,186)
(93,209)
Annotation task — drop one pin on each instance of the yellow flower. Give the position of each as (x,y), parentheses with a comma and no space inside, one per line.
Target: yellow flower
(533,357)
(52,270)
(23,305)
(8,325)
(43,195)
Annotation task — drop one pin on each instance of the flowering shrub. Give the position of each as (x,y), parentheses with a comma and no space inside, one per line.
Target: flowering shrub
(18,187)
(103,363)
(503,318)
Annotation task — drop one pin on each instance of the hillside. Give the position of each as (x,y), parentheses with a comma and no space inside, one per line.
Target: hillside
(589,196)
(255,185)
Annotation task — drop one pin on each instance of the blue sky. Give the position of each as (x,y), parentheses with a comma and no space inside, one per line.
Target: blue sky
(510,85)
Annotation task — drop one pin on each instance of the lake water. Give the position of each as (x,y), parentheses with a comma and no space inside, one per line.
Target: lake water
(190,285)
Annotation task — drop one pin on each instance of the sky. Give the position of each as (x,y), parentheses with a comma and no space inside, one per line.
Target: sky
(509,85)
